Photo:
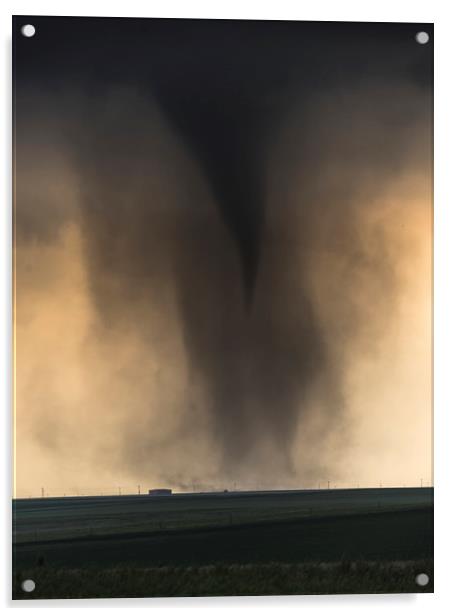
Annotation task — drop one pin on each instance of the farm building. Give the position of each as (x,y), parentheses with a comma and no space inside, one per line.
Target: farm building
(160,492)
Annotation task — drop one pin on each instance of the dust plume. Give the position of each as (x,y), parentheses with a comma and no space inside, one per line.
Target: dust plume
(227,304)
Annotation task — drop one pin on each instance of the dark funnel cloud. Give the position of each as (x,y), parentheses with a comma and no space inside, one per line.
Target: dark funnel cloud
(203,186)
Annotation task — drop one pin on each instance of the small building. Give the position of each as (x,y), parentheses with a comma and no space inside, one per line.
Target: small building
(160,492)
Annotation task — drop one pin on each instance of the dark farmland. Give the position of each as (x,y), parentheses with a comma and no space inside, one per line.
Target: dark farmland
(199,529)
(231,529)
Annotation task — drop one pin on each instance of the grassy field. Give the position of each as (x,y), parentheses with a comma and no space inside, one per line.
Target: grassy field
(222,580)
(222,534)
(43,519)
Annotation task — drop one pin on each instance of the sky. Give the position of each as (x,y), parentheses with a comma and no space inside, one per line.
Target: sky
(222,255)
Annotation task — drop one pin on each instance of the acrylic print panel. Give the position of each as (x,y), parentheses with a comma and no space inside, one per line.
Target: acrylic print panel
(222,252)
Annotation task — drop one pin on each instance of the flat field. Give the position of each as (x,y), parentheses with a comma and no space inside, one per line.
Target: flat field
(378,527)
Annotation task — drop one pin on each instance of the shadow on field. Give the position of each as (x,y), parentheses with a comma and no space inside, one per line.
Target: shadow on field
(387,536)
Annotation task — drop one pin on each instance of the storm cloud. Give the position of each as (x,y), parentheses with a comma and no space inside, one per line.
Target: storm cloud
(234,189)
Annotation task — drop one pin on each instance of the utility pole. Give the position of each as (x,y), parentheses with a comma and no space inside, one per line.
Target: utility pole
(42,492)
(328,484)
(139,489)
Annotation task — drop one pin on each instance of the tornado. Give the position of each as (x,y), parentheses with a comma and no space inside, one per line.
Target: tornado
(226,179)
